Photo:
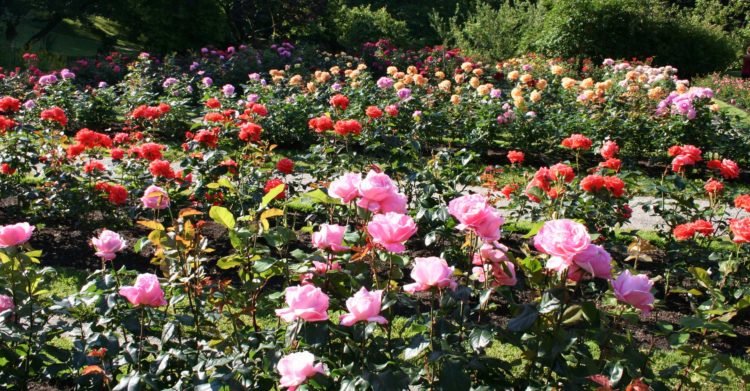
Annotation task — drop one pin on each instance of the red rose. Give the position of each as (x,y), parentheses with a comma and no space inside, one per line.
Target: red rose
(374,112)
(116,153)
(161,168)
(285,166)
(340,101)
(345,127)
(713,186)
(743,201)
(150,151)
(562,171)
(6,169)
(321,124)
(611,163)
(516,157)
(55,114)
(9,104)
(272,183)
(703,227)
(213,103)
(592,183)
(250,132)
(609,149)
(728,168)
(577,141)
(683,231)
(118,195)
(615,185)
(741,230)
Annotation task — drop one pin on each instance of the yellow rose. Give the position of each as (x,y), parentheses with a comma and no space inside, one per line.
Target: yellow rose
(714,107)
(681,88)
(513,75)
(459,78)
(391,70)
(535,96)
(483,90)
(467,67)
(655,93)
(295,80)
(420,80)
(361,67)
(516,92)
(440,75)
(541,84)
(587,83)
(474,82)
(455,99)
(478,72)
(445,85)
(526,78)
(557,70)
(408,79)
(568,83)
(398,85)
(311,87)
(412,70)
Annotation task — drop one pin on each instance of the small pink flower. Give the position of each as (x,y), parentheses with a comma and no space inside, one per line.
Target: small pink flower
(15,234)
(430,272)
(562,238)
(107,244)
(634,290)
(474,212)
(345,187)
(155,198)
(305,302)
(364,306)
(146,291)
(296,368)
(329,237)
(391,230)
(491,260)
(6,303)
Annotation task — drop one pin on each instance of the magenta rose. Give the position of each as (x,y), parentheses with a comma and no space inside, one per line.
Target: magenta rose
(296,368)
(305,302)
(6,303)
(634,290)
(431,272)
(364,306)
(146,291)
(391,230)
(562,238)
(594,261)
(15,234)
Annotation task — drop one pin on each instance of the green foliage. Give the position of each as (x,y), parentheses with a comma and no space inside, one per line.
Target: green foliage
(491,32)
(626,29)
(357,25)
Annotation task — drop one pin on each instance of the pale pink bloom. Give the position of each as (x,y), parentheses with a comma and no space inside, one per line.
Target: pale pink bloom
(146,291)
(562,238)
(345,187)
(430,272)
(493,261)
(473,212)
(305,302)
(634,290)
(155,198)
(329,237)
(364,306)
(296,368)
(6,303)
(318,268)
(380,194)
(391,230)
(107,244)
(15,234)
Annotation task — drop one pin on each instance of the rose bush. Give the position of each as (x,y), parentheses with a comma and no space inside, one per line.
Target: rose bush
(434,223)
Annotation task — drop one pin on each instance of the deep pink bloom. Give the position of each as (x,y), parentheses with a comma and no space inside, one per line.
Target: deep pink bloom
(15,234)
(107,244)
(430,272)
(364,306)
(634,290)
(609,149)
(305,302)
(296,368)
(562,238)
(6,303)
(329,237)
(391,230)
(594,261)
(146,291)
(346,187)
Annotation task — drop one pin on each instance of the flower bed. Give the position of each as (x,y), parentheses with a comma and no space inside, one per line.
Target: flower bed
(328,227)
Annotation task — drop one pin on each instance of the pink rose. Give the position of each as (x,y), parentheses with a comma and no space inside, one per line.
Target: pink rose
(155,198)
(6,303)
(634,290)
(296,368)
(306,302)
(107,244)
(491,260)
(329,237)
(345,187)
(146,291)
(473,212)
(15,234)
(430,272)
(364,306)
(318,268)
(594,261)
(391,230)
(562,238)
(380,194)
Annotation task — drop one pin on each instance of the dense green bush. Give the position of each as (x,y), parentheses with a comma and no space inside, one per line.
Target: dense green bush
(357,25)
(624,29)
(491,32)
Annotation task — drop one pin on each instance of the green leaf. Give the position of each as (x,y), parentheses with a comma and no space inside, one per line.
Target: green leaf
(271,195)
(318,196)
(417,345)
(480,338)
(222,216)
(524,320)
(229,262)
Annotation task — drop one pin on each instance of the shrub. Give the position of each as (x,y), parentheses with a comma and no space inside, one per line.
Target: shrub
(357,25)
(626,29)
